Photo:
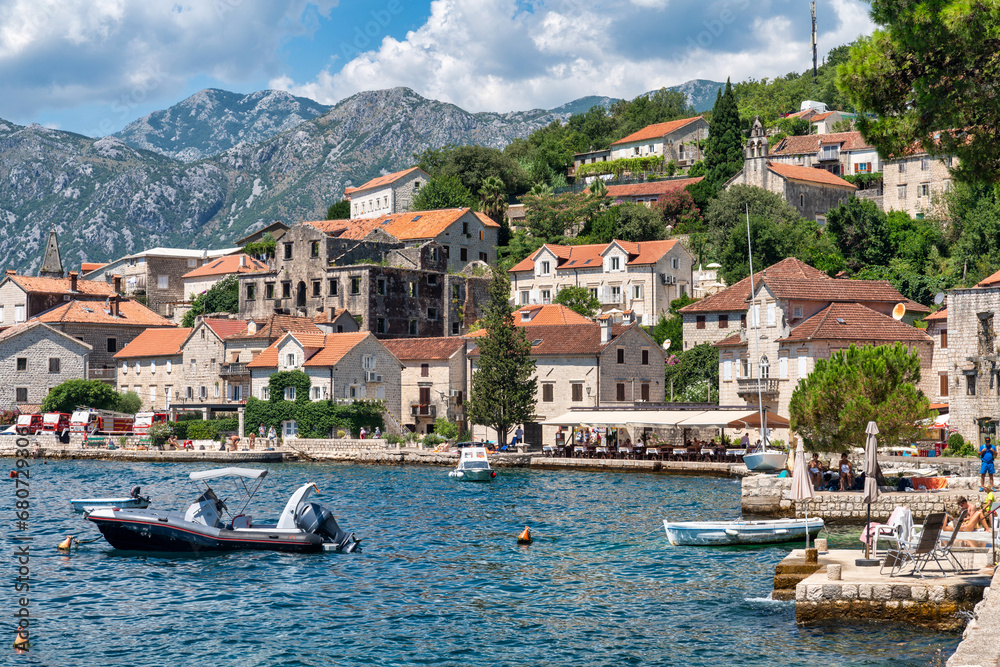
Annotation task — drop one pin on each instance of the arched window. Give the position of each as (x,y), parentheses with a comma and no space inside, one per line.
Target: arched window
(765,367)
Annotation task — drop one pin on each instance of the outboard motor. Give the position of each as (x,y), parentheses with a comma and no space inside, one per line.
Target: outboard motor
(136,492)
(316,519)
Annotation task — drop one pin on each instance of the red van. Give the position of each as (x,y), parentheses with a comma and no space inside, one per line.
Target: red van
(55,422)
(28,424)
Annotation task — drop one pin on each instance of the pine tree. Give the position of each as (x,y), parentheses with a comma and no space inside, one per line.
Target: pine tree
(724,148)
(503,386)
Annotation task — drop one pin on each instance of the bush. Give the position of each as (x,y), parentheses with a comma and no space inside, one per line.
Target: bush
(432,439)
(159,432)
(393,439)
(957,446)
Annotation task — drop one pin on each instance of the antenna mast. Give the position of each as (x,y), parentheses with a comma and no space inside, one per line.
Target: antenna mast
(813,6)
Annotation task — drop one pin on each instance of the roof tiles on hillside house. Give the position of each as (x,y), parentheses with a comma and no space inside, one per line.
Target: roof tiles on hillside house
(412,349)
(940,315)
(810,143)
(224,328)
(36,285)
(735,298)
(227,265)
(551,313)
(277,326)
(990,281)
(809,174)
(590,256)
(854,322)
(382,181)
(835,289)
(650,188)
(321,349)
(130,313)
(656,130)
(155,343)
(567,339)
(409,226)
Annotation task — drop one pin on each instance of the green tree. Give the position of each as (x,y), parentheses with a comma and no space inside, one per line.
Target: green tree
(637,222)
(926,76)
(449,430)
(339,210)
(679,211)
(222,297)
(129,403)
(861,233)
(724,148)
(831,407)
(521,245)
(69,395)
(696,367)
(493,202)
(578,299)
(671,328)
(769,247)
(729,209)
(916,286)
(473,164)
(503,386)
(549,216)
(443,192)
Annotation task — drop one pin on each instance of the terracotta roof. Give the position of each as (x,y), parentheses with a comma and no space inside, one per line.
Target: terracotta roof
(732,340)
(321,349)
(329,315)
(735,297)
(837,290)
(155,343)
(550,313)
(821,116)
(990,281)
(571,257)
(409,226)
(914,307)
(937,406)
(407,349)
(225,328)
(131,313)
(566,339)
(811,174)
(657,188)
(38,285)
(802,114)
(224,266)
(277,326)
(87,267)
(656,131)
(938,315)
(852,321)
(810,143)
(382,181)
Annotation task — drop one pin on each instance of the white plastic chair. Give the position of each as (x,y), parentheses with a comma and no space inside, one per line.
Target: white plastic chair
(899,528)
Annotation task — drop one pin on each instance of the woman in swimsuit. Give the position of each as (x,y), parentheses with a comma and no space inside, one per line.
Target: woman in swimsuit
(846,473)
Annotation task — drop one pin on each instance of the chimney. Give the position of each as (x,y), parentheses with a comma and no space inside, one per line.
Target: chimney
(605,322)
(11,272)
(72,281)
(243,261)
(114,306)
(117,282)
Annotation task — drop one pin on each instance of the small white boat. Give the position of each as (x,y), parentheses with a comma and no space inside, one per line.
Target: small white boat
(473,466)
(135,501)
(770,460)
(721,533)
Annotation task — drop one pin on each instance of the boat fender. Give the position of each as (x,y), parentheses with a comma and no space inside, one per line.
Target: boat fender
(13,474)
(21,642)
(525,536)
(493,474)
(66,544)
(732,532)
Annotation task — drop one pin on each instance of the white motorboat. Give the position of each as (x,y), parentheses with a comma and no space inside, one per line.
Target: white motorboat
(473,466)
(770,460)
(135,501)
(723,533)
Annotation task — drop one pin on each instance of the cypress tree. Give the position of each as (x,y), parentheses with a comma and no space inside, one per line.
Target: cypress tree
(724,148)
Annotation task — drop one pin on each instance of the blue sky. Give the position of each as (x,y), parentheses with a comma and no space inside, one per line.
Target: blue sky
(92,66)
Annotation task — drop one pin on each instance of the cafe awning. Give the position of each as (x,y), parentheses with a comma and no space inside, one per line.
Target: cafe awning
(667,418)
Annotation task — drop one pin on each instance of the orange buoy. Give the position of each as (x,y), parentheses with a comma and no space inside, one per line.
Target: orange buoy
(13,474)
(524,537)
(66,544)
(21,641)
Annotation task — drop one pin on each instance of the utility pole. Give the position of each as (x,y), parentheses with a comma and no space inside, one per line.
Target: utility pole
(813,5)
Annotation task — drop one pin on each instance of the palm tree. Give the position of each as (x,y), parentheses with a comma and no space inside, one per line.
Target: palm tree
(493,198)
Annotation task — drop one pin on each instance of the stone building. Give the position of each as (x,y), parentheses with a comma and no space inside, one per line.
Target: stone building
(157,275)
(23,297)
(336,321)
(343,367)
(585,365)
(677,140)
(152,365)
(433,380)
(590,157)
(811,191)
(387,194)
(839,153)
(973,351)
(639,277)
(914,182)
(937,329)
(34,358)
(392,290)
(204,278)
(243,347)
(649,192)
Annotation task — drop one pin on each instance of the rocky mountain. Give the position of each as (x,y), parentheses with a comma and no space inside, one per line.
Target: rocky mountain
(213,120)
(583,105)
(700,92)
(107,199)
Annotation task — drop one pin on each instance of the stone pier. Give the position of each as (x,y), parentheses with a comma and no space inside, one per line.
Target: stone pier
(979,646)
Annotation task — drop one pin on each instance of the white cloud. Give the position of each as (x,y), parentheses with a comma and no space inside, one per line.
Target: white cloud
(496,55)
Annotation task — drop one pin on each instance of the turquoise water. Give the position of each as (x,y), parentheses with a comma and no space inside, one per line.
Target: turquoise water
(441,580)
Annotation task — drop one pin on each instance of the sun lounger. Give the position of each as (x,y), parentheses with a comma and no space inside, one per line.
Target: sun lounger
(917,553)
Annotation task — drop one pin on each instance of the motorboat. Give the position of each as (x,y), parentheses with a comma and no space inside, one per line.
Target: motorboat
(473,466)
(770,460)
(209,525)
(724,533)
(135,500)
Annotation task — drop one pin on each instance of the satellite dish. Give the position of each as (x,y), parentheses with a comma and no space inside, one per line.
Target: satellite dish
(939,298)
(898,311)
(666,344)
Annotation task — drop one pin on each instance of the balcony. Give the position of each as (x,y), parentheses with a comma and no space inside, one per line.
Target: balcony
(423,410)
(828,154)
(746,388)
(102,374)
(233,369)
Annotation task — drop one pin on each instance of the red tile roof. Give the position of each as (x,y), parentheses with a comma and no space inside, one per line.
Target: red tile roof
(836,289)
(87,267)
(155,343)
(412,349)
(328,316)
(225,328)
(277,326)
(810,174)
(821,116)
(732,340)
(130,312)
(224,266)
(565,339)
(589,256)
(810,143)
(854,322)
(382,181)
(321,349)
(36,285)
(735,297)
(409,226)
(551,313)
(937,315)
(990,281)
(651,188)
(656,131)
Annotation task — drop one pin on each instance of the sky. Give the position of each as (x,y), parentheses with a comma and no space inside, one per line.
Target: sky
(93,66)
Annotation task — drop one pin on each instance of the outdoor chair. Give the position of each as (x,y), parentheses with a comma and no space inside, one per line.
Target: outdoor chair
(917,553)
(943,549)
(626,452)
(895,530)
(654,453)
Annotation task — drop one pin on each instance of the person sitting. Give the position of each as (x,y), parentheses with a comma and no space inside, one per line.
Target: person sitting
(815,468)
(846,473)
(172,441)
(973,519)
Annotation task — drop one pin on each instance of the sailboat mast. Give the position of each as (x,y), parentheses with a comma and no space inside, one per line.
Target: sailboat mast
(754,314)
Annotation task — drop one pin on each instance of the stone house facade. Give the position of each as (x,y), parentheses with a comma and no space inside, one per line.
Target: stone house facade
(243,347)
(384,195)
(677,140)
(840,153)
(433,380)
(811,191)
(973,351)
(937,329)
(152,365)
(912,184)
(641,278)
(343,367)
(34,358)
(24,297)
(581,366)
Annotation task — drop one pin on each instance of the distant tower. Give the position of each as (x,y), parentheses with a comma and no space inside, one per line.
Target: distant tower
(814,37)
(756,146)
(52,261)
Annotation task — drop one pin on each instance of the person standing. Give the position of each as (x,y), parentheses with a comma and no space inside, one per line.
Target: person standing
(363,432)
(272,437)
(378,433)
(987,455)
(261,431)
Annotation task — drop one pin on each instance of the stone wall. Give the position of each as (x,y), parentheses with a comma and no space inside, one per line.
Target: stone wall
(904,181)
(973,344)
(37,346)
(979,646)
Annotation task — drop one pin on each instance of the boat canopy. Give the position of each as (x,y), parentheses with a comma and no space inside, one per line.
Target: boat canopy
(249,473)
(741,418)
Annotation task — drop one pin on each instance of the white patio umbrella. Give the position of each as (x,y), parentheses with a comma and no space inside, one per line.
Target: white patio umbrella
(802,488)
(871,476)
